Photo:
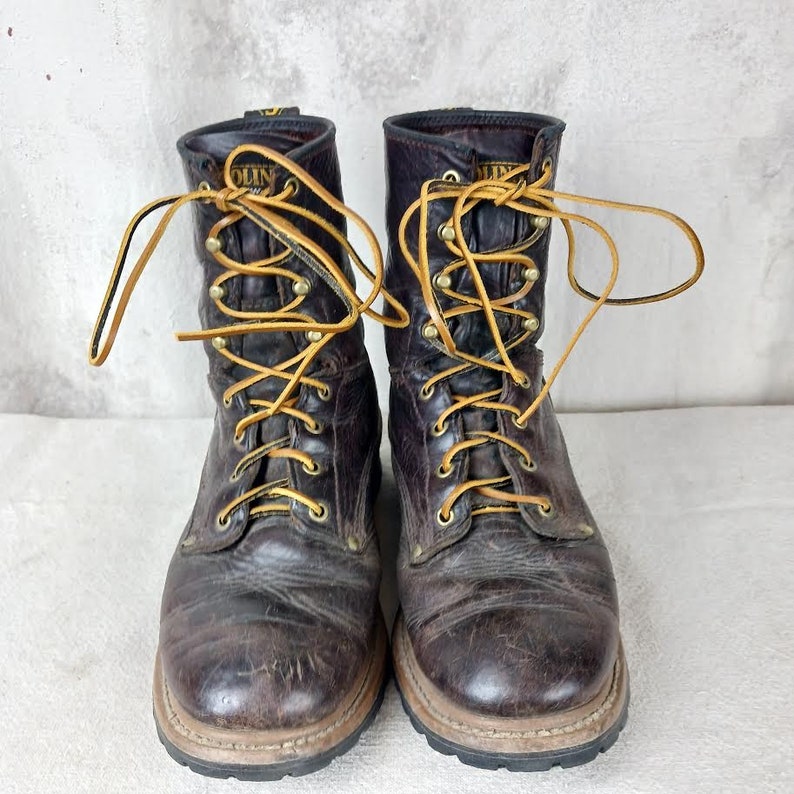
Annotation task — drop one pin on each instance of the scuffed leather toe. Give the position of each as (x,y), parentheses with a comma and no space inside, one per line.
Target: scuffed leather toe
(263,645)
(507,653)
(522,662)
(514,626)
(264,676)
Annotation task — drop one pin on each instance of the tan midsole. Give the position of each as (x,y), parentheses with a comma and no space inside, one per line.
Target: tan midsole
(487,734)
(264,747)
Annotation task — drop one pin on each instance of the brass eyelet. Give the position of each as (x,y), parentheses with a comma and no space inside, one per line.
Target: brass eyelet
(213,244)
(316,429)
(443,473)
(325,392)
(442,281)
(301,287)
(530,324)
(294,184)
(446,233)
(217,292)
(527,464)
(519,425)
(221,523)
(314,471)
(426,393)
(530,274)
(540,221)
(546,511)
(227,403)
(353,543)
(525,382)
(451,175)
(429,331)
(234,476)
(204,187)
(445,522)
(439,431)
(547,165)
(239,440)
(322,516)
(314,336)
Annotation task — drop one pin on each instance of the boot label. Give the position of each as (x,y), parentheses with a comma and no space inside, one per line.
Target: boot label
(495,169)
(274,111)
(258,177)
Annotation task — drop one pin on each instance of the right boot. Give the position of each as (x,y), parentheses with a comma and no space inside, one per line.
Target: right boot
(507,649)
(272,652)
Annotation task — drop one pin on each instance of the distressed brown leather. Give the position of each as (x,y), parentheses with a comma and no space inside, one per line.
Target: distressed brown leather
(508,614)
(268,622)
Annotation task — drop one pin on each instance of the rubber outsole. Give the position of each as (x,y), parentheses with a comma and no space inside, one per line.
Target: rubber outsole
(530,744)
(271,754)
(271,772)
(535,762)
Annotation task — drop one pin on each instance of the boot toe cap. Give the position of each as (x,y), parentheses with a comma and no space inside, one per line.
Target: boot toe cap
(274,678)
(519,663)
(263,636)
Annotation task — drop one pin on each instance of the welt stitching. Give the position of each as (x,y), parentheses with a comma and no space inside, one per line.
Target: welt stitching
(476,120)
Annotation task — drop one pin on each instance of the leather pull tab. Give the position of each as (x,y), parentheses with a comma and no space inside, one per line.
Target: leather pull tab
(274,111)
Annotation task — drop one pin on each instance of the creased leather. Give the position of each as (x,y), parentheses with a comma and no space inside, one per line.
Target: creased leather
(266,623)
(510,614)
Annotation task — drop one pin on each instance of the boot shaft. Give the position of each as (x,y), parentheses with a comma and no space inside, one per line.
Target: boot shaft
(270,626)
(210,155)
(464,145)
(297,427)
(309,142)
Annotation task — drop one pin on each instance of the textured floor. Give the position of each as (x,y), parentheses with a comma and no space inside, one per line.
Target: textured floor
(697,507)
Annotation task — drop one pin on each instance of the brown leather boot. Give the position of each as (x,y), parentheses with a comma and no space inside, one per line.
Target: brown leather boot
(507,652)
(272,653)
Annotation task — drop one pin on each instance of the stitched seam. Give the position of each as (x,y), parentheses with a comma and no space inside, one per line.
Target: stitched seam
(503,734)
(311,738)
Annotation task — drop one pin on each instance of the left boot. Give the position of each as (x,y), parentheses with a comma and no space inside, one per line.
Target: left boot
(507,652)
(272,654)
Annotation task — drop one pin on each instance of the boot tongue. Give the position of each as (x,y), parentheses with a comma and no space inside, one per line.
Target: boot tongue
(262,294)
(491,228)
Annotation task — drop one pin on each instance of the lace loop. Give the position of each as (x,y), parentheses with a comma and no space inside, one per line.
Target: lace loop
(512,191)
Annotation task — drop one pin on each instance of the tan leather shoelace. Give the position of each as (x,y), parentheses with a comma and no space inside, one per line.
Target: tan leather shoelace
(270,213)
(511,190)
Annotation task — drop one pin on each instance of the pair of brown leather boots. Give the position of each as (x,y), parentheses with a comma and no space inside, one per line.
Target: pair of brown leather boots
(273,651)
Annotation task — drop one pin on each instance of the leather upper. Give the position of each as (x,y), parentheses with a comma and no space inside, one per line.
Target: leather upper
(268,620)
(509,613)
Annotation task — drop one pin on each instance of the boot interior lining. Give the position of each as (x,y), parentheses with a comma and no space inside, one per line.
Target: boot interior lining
(496,143)
(498,138)
(218,144)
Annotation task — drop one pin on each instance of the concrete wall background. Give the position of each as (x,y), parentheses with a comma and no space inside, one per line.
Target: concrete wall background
(686,105)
